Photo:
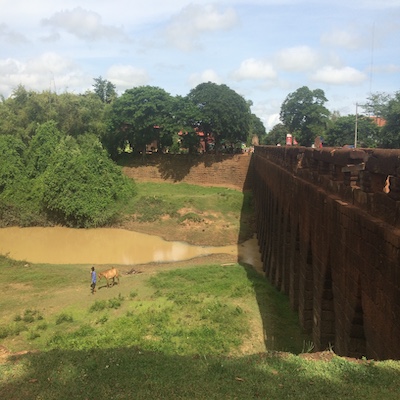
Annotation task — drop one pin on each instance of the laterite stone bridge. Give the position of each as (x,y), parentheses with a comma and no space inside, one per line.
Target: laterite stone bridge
(328,229)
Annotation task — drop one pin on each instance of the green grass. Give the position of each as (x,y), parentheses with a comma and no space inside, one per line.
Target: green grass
(167,198)
(131,373)
(177,334)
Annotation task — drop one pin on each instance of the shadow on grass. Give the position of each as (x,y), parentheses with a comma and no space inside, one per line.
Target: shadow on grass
(281,327)
(127,373)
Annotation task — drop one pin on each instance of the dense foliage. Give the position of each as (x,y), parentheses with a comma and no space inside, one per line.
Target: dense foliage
(59,179)
(342,132)
(140,117)
(55,148)
(304,114)
(390,137)
(224,114)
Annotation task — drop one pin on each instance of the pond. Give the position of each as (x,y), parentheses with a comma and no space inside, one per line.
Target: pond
(60,245)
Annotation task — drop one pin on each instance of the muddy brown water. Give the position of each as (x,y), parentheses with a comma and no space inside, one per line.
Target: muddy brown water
(59,245)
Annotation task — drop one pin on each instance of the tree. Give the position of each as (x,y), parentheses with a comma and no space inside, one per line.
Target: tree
(82,187)
(11,160)
(41,147)
(141,116)
(224,114)
(257,129)
(304,114)
(105,90)
(377,104)
(277,135)
(16,114)
(390,137)
(342,132)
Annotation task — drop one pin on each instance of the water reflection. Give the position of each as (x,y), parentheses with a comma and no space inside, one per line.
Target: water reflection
(60,245)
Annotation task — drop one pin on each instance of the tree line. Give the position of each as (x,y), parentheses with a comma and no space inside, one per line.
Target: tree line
(58,151)
(304,115)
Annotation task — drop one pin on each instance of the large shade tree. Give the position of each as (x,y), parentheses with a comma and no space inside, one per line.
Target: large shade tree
(139,117)
(224,114)
(304,114)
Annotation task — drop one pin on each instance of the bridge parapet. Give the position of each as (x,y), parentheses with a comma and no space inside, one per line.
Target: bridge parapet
(366,178)
(328,229)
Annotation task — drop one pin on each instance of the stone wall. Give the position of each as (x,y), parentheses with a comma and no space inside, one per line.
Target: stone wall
(328,230)
(204,169)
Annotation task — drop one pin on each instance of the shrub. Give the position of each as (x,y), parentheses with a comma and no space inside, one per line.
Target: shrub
(32,335)
(83,187)
(63,317)
(190,217)
(98,305)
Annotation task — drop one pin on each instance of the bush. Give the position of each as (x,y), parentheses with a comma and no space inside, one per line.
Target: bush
(98,305)
(83,187)
(190,217)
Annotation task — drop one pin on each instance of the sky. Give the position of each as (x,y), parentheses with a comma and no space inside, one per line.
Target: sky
(262,49)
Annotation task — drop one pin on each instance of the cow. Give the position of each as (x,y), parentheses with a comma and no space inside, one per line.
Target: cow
(109,274)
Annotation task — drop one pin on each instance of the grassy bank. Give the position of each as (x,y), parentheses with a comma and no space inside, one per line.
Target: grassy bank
(192,332)
(201,329)
(195,214)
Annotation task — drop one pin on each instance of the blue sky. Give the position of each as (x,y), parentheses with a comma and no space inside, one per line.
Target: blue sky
(263,49)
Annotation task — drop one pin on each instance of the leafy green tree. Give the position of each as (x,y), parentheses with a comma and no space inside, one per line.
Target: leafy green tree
(390,135)
(18,204)
(41,147)
(304,114)
(105,90)
(224,114)
(82,186)
(141,116)
(277,135)
(377,104)
(342,132)
(185,117)
(16,116)
(11,160)
(257,129)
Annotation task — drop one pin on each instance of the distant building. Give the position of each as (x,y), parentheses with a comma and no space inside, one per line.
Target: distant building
(379,121)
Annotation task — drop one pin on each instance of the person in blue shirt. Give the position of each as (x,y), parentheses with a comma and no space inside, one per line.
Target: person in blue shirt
(94,280)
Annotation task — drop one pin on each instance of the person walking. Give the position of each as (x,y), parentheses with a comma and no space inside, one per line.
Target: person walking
(94,280)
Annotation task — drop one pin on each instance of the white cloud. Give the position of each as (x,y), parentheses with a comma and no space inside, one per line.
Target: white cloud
(48,70)
(300,58)
(53,37)
(344,39)
(339,76)
(387,69)
(9,67)
(207,75)
(126,76)
(254,69)
(84,24)
(185,28)
(10,36)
